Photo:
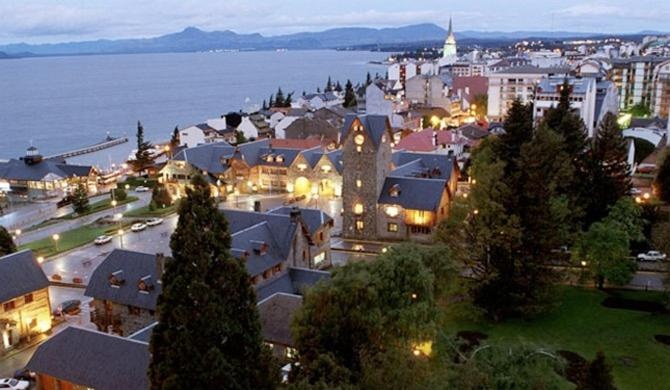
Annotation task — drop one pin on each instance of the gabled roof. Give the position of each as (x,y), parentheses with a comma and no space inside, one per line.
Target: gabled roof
(135,266)
(276,314)
(246,244)
(18,170)
(374,125)
(413,193)
(207,157)
(423,141)
(313,218)
(295,281)
(422,165)
(93,359)
(288,156)
(473,131)
(144,335)
(20,274)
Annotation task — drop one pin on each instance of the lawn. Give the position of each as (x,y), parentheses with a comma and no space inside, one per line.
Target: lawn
(133,182)
(581,324)
(98,206)
(70,239)
(146,212)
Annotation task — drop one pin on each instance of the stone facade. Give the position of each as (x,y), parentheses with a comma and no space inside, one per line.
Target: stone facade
(123,320)
(24,317)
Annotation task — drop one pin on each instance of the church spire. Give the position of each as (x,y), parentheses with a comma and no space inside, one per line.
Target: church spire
(449,50)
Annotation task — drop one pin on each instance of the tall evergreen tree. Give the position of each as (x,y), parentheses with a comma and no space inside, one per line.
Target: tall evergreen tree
(368,79)
(349,95)
(329,85)
(279,98)
(80,199)
(662,180)
(7,244)
(338,86)
(567,123)
(606,171)
(288,100)
(264,106)
(518,127)
(143,157)
(174,141)
(271,102)
(208,333)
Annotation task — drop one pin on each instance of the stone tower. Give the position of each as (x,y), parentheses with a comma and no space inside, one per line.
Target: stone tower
(450,43)
(366,160)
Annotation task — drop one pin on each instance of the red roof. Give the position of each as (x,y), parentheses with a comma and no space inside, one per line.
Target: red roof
(422,141)
(478,85)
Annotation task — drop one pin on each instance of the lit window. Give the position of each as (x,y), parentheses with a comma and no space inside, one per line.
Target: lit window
(392,227)
(302,167)
(394,191)
(359,149)
(280,159)
(326,168)
(318,259)
(358,208)
(359,183)
(28,298)
(359,224)
(392,211)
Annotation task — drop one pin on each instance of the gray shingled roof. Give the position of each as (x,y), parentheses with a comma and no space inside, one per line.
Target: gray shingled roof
(20,274)
(93,359)
(374,125)
(135,266)
(207,157)
(313,218)
(531,69)
(429,165)
(415,194)
(276,314)
(18,170)
(295,281)
(144,335)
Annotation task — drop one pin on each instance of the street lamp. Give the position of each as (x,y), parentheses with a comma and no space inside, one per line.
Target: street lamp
(56,237)
(40,259)
(121,238)
(237,198)
(17,234)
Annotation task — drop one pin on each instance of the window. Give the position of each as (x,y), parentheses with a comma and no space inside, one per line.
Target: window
(359,183)
(421,230)
(8,306)
(33,323)
(318,259)
(291,352)
(392,227)
(392,211)
(321,236)
(326,168)
(358,208)
(28,298)
(359,224)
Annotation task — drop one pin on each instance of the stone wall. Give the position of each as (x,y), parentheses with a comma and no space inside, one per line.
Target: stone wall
(125,320)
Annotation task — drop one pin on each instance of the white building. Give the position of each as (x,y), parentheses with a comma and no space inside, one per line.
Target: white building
(546,58)
(661,90)
(516,83)
(582,98)
(402,71)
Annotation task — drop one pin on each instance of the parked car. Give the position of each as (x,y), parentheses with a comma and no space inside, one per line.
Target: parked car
(153,221)
(635,191)
(24,374)
(101,240)
(13,384)
(142,189)
(138,227)
(651,256)
(71,307)
(65,201)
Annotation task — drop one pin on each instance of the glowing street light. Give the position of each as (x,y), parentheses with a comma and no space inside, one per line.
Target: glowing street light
(121,238)
(56,237)
(40,259)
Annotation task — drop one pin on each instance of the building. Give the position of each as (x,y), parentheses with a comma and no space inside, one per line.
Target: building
(256,167)
(582,98)
(634,79)
(213,130)
(388,195)
(34,177)
(429,91)
(450,142)
(316,101)
(402,71)
(125,289)
(661,90)
(25,310)
(449,49)
(513,83)
(276,314)
(77,358)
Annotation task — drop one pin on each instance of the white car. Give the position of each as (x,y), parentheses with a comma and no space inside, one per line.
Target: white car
(138,227)
(651,256)
(154,221)
(13,384)
(101,240)
(142,189)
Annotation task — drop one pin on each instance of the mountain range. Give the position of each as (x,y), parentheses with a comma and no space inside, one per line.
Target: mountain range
(193,39)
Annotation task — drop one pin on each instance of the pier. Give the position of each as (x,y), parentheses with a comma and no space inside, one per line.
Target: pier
(108,143)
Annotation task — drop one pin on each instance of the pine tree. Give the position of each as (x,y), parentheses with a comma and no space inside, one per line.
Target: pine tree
(208,333)
(318,90)
(271,102)
(349,95)
(80,199)
(368,79)
(279,98)
(329,85)
(289,100)
(338,87)
(264,106)
(174,141)
(7,244)
(518,127)
(662,180)
(160,196)
(606,170)
(143,157)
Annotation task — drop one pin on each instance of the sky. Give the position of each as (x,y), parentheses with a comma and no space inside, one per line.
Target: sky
(45,21)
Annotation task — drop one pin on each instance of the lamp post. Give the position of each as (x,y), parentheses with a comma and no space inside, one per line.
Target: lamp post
(237,198)
(121,238)
(56,237)
(17,234)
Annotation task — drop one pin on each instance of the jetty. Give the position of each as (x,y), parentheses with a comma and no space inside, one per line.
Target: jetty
(107,143)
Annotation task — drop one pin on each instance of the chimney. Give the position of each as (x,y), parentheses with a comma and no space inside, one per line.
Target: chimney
(257,206)
(295,214)
(435,143)
(160,267)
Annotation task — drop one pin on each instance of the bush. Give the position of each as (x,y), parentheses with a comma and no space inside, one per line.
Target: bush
(160,197)
(119,194)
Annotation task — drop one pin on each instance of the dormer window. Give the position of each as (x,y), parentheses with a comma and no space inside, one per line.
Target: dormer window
(394,191)
(144,286)
(302,167)
(326,168)
(116,279)
(279,158)
(259,247)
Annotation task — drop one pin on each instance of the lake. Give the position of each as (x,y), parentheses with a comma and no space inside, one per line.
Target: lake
(62,103)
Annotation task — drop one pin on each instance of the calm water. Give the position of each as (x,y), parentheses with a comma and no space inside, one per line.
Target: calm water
(62,103)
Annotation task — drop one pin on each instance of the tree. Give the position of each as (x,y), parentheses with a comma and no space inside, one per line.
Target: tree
(119,194)
(603,249)
(160,196)
(598,375)
(518,127)
(662,180)
(80,199)
(349,95)
(143,156)
(329,85)
(271,102)
(368,79)
(361,312)
(264,106)
(639,110)
(607,171)
(480,105)
(7,244)
(174,141)
(240,138)
(279,98)
(289,100)
(208,333)
(338,87)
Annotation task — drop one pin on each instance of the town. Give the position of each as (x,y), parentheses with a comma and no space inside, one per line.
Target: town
(485,218)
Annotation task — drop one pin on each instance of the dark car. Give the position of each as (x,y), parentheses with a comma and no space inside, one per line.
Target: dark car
(70,307)
(64,202)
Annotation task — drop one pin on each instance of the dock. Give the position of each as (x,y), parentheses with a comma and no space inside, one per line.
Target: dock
(108,143)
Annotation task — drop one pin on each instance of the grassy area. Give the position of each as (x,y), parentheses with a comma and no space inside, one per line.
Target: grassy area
(581,324)
(146,212)
(70,239)
(133,182)
(98,206)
